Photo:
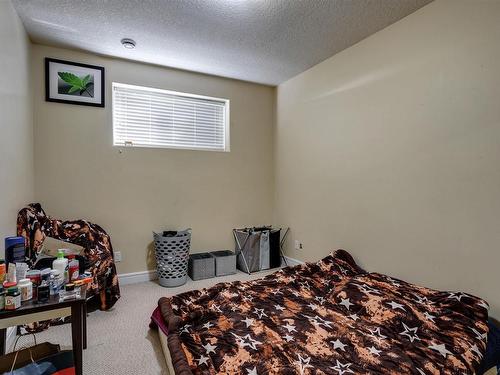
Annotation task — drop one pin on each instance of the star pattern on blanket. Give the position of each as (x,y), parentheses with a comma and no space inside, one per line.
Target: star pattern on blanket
(374,351)
(248,321)
(246,341)
(441,348)
(346,302)
(395,305)
(279,307)
(209,348)
(342,368)
(260,312)
(202,360)
(429,317)
(377,335)
(337,344)
(303,363)
(409,332)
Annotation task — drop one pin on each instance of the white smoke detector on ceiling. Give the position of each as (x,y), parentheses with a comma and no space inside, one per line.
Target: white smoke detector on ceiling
(128,43)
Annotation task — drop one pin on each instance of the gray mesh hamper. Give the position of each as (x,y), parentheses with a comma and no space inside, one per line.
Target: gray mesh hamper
(225,262)
(172,254)
(201,266)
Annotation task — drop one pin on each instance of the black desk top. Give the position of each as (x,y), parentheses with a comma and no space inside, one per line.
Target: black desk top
(30,307)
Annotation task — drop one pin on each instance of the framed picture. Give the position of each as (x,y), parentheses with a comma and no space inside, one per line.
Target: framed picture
(74,83)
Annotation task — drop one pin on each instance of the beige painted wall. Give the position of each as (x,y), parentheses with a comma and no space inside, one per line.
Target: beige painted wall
(391,149)
(16,120)
(79,174)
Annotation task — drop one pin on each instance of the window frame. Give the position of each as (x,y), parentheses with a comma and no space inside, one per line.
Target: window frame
(227,122)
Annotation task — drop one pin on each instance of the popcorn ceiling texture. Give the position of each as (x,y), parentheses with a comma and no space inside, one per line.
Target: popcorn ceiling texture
(263,41)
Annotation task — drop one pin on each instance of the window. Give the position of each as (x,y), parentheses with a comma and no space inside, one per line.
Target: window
(147,117)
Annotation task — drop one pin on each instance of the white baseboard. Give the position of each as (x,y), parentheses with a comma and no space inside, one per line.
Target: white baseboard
(143,276)
(137,277)
(293,261)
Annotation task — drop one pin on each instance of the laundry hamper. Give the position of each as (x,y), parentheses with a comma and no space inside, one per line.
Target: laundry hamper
(172,255)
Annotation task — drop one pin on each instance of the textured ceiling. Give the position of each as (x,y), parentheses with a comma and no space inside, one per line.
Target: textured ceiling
(264,41)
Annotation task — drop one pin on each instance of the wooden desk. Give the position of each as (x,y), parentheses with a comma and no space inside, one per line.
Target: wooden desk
(31,311)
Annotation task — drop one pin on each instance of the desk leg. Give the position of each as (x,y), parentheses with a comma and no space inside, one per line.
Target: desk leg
(77,337)
(3,341)
(84,325)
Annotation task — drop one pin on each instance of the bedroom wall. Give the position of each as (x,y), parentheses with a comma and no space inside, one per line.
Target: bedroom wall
(391,150)
(16,120)
(80,174)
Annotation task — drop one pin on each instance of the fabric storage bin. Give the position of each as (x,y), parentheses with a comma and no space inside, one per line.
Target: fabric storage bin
(172,255)
(201,266)
(257,248)
(225,262)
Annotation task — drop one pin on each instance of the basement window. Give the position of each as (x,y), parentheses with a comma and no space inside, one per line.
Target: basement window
(148,117)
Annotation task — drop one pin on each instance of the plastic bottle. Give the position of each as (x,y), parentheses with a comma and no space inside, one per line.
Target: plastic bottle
(73,268)
(61,263)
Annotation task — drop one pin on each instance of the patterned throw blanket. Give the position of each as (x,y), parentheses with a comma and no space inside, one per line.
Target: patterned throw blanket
(34,224)
(331,317)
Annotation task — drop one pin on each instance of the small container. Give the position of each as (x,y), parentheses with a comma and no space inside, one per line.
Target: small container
(21,269)
(43,292)
(56,282)
(11,273)
(13,299)
(45,274)
(70,292)
(2,298)
(26,289)
(3,271)
(36,278)
(73,268)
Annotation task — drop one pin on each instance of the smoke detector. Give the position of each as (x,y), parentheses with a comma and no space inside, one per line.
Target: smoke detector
(128,43)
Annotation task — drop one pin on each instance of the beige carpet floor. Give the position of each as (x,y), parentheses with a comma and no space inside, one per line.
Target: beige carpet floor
(119,340)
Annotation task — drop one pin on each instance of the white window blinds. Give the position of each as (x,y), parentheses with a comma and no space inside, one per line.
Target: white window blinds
(147,117)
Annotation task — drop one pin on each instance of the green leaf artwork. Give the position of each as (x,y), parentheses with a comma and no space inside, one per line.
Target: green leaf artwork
(76,83)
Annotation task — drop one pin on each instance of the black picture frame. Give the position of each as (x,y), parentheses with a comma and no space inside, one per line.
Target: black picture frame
(49,96)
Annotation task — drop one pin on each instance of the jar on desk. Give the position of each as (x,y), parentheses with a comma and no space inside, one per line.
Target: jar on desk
(26,289)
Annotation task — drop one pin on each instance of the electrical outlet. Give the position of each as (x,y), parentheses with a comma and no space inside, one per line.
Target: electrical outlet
(298,245)
(118,256)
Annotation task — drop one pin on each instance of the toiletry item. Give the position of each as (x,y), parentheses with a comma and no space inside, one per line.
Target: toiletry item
(56,282)
(61,263)
(73,268)
(43,292)
(15,249)
(3,271)
(26,289)
(36,278)
(21,269)
(11,274)
(69,292)
(13,299)
(45,274)
(2,298)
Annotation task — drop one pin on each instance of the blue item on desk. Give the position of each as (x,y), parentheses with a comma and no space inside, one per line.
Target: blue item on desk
(15,249)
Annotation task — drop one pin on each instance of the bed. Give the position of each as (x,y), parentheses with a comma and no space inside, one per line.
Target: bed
(330,317)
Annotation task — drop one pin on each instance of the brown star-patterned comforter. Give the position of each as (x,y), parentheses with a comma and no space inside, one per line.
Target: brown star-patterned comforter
(330,317)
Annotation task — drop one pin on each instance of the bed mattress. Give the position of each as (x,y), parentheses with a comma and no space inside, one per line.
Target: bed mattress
(330,317)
